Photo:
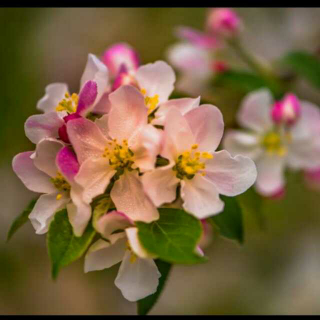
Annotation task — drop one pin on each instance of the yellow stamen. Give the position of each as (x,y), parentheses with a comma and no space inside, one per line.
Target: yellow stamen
(59,196)
(151,102)
(60,184)
(275,143)
(69,103)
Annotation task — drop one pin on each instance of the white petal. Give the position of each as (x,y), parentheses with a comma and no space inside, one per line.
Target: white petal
(40,126)
(146,148)
(54,94)
(206,123)
(34,179)
(139,279)
(132,235)
(45,209)
(160,185)
(156,78)
(45,156)
(103,254)
(94,176)
(184,105)
(96,70)
(200,196)
(255,111)
(128,113)
(129,197)
(270,177)
(246,144)
(231,176)
(178,136)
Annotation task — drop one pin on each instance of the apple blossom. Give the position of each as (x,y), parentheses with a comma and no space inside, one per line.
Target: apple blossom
(189,144)
(138,274)
(50,170)
(118,146)
(279,135)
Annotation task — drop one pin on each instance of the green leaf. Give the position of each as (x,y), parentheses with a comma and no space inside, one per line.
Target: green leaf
(63,246)
(21,219)
(229,221)
(172,238)
(304,64)
(146,304)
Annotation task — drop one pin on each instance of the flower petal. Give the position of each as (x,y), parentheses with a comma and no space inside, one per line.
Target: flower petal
(87,97)
(67,163)
(40,126)
(139,279)
(102,123)
(128,113)
(45,209)
(178,136)
(103,106)
(200,196)
(156,78)
(184,105)
(147,147)
(102,254)
(34,179)
(95,70)
(230,175)
(54,94)
(255,111)
(246,144)
(86,138)
(112,221)
(160,185)
(45,156)
(132,235)
(94,176)
(206,123)
(270,177)
(129,197)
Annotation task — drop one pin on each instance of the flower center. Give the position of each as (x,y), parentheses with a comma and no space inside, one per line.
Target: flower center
(151,102)
(119,155)
(189,163)
(61,184)
(275,143)
(69,103)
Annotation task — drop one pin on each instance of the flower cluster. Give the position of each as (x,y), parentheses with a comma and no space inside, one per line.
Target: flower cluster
(121,139)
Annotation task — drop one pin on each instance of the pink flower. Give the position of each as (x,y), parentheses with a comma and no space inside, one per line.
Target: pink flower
(138,274)
(51,170)
(189,144)
(223,22)
(58,105)
(275,146)
(117,145)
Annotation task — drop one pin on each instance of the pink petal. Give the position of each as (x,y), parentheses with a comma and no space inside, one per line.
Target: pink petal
(128,113)
(67,163)
(87,97)
(129,197)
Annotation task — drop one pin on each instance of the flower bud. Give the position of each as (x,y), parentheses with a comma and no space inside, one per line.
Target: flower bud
(224,22)
(312,178)
(277,195)
(120,54)
(219,66)
(124,77)
(286,111)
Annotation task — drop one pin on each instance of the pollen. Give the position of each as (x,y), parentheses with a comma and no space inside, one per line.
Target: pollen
(151,102)
(119,155)
(60,184)
(59,196)
(276,144)
(191,162)
(69,103)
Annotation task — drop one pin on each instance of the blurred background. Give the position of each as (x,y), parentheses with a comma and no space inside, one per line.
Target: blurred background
(277,271)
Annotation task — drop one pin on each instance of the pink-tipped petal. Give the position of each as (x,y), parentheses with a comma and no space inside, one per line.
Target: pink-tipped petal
(41,126)
(156,78)
(67,163)
(34,179)
(200,196)
(206,123)
(86,138)
(230,175)
(54,94)
(128,113)
(120,54)
(87,97)
(129,197)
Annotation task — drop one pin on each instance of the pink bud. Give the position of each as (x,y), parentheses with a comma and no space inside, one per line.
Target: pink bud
(224,22)
(120,54)
(277,195)
(287,110)
(62,131)
(312,178)
(219,66)
(124,77)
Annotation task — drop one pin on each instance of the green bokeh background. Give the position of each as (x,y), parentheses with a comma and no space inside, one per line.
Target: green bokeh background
(277,271)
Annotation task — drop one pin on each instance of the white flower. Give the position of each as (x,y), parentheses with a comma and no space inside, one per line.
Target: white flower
(275,144)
